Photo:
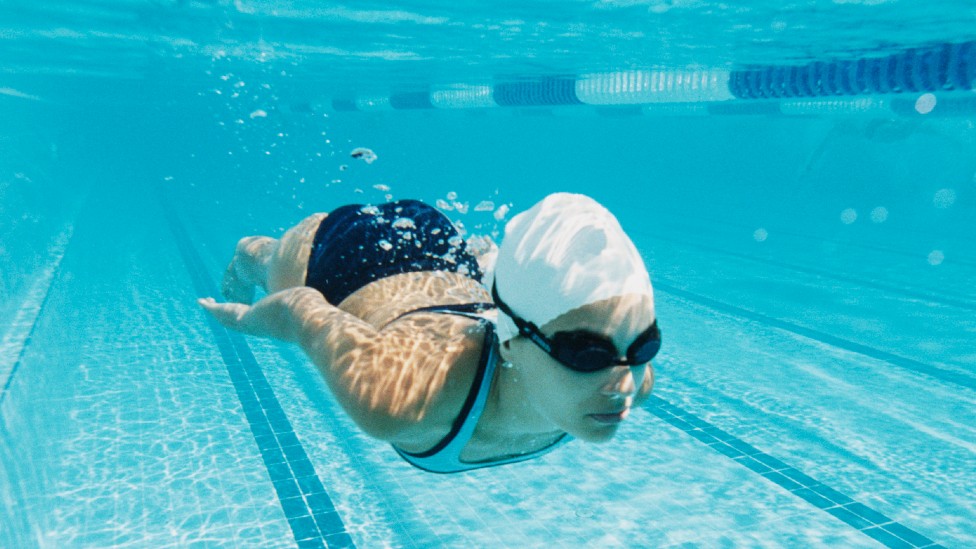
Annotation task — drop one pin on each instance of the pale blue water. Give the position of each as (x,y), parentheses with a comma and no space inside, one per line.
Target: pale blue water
(808,223)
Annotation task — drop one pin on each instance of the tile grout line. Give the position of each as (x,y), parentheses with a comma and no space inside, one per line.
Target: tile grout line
(855,514)
(309,510)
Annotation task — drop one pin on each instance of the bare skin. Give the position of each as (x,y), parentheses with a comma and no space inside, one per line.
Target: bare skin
(405,381)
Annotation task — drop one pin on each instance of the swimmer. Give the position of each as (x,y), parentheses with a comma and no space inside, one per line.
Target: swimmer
(459,364)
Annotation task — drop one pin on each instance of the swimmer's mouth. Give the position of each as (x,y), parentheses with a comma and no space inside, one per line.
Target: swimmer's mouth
(612,418)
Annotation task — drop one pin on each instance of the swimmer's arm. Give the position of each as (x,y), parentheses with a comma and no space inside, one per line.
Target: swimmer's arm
(376,379)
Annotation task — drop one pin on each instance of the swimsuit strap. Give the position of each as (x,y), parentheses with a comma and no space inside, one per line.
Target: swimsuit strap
(470,310)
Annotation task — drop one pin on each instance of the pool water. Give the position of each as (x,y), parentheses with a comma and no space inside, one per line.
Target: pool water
(800,180)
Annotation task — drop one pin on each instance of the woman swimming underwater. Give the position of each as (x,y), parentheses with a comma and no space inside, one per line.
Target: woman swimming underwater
(390,305)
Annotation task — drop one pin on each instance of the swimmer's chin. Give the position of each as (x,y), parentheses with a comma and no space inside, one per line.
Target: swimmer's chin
(600,436)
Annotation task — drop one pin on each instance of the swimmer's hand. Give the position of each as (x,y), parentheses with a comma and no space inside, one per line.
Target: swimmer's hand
(274,316)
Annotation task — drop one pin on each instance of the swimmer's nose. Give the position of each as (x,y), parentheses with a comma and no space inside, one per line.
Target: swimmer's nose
(621,384)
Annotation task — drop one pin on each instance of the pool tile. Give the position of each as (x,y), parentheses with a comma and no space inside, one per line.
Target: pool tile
(288,439)
(279,471)
(303,527)
(329,523)
(907,534)
(746,448)
(864,511)
(310,485)
(782,480)
(831,494)
(799,477)
(727,450)
(773,463)
(266,442)
(254,414)
(697,422)
(272,455)
(701,435)
(814,498)
(752,464)
(887,538)
(295,454)
(320,503)
(302,467)
(849,517)
(294,507)
(718,433)
(339,541)
(261,429)
(286,488)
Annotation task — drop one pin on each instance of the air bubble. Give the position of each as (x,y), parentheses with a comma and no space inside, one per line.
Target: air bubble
(760,235)
(879,214)
(452,195)
(366,155)
(848,216)
(925,103)
(936,257)
(385,245)
(485,206)
(404,223)
(501,212)
(944,198)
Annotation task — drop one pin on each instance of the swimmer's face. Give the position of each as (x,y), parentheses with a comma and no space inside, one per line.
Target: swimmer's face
(588,406)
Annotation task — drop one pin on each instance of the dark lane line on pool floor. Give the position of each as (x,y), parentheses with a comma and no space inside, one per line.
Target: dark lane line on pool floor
(307,506)
(18,328)
(857,515)
(960,378)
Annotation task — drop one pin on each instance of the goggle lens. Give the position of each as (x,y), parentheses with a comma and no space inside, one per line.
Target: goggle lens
(588,353)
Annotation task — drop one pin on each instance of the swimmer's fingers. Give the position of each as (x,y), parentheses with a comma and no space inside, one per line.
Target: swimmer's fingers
(231,315)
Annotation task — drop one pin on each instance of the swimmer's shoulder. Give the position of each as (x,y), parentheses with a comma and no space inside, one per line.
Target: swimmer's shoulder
(447,362)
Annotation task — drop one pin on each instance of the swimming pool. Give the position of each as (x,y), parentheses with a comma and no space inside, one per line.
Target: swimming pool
(800,180)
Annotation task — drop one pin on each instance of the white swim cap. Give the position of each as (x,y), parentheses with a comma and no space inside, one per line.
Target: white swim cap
(565,252)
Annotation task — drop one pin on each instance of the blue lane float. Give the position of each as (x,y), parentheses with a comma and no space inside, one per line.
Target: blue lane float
(415,100)
(547,92)
(944,67)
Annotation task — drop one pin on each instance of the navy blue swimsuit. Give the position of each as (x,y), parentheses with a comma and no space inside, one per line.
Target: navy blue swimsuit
(358,244)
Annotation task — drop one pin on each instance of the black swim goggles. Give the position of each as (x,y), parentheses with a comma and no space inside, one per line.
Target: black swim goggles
(584,351)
